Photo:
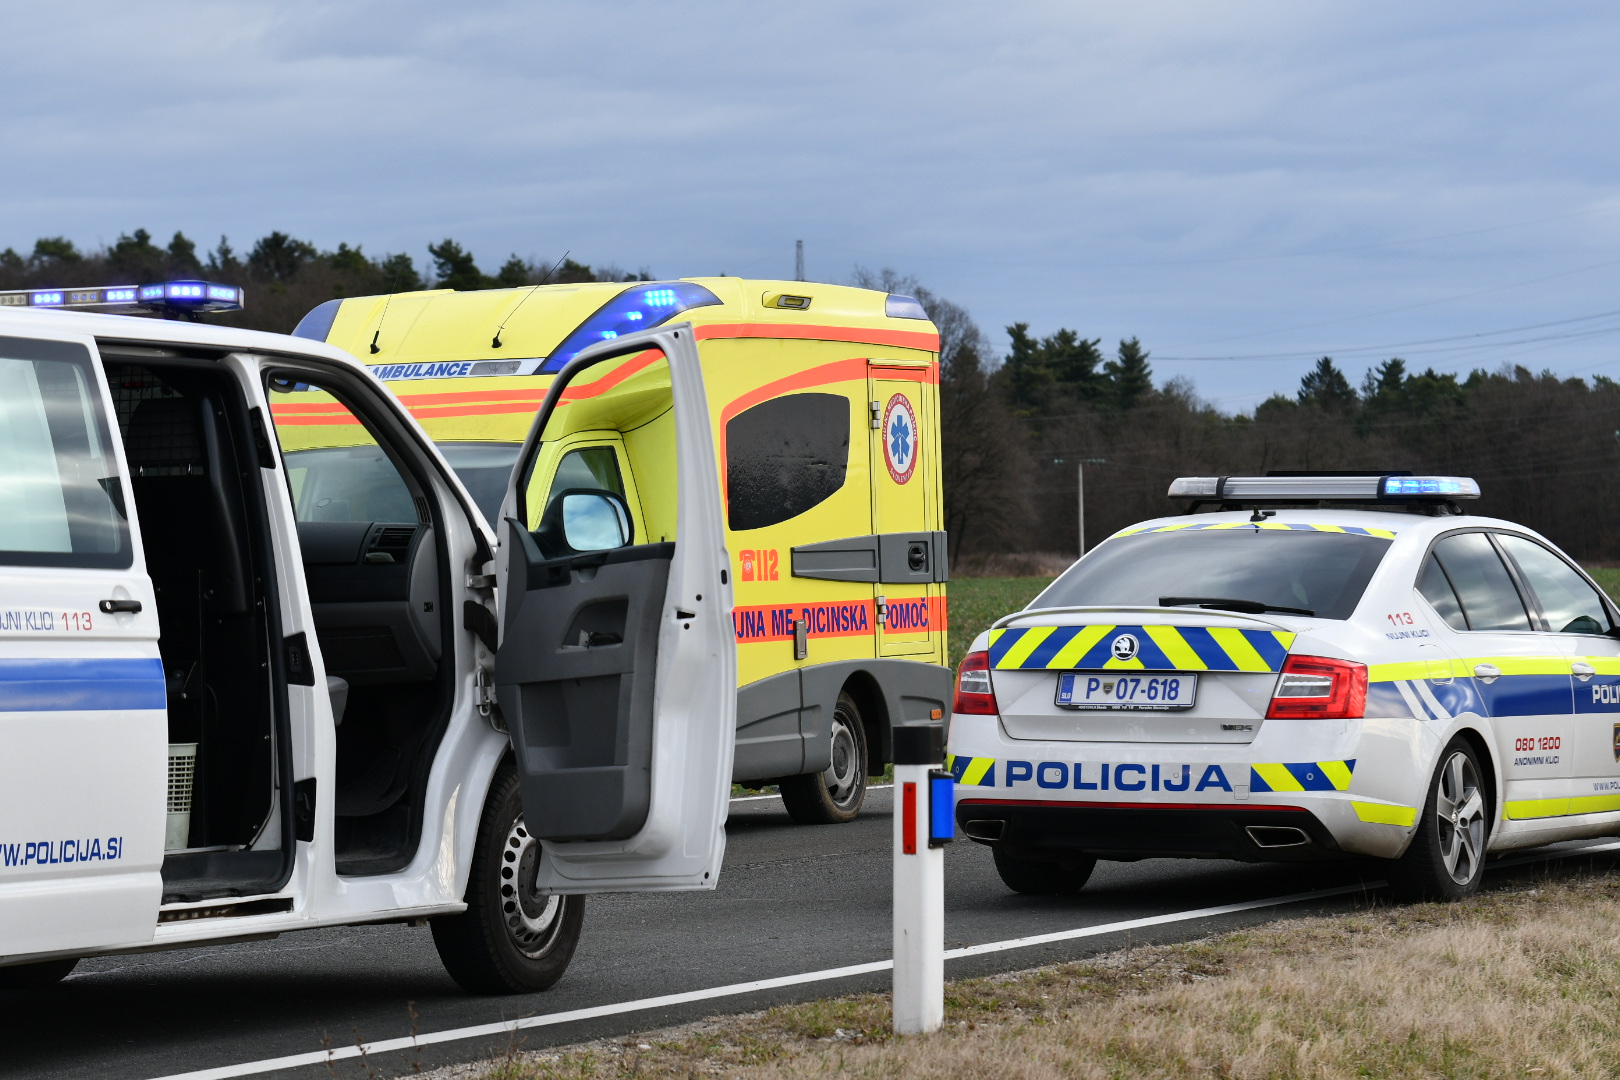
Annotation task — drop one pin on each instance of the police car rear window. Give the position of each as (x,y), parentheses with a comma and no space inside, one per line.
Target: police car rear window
(61,501)
(1323,572)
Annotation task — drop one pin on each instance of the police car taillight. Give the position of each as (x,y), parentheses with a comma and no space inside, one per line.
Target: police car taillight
(1319,688)
(973,693)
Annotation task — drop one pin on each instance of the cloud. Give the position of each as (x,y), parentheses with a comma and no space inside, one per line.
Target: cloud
(1206,176)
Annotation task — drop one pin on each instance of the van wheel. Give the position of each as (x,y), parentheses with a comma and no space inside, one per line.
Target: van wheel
(511,939)
(835,794)
(36,976)
(1446,858)
(1041,877)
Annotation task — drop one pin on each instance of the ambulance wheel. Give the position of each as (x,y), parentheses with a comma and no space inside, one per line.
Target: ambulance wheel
(36,976)
(511,939)
(1042,877)
(1446,858)
(835,794)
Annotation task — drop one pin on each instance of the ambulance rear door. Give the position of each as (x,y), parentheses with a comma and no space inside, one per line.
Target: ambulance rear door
(904,476)
(83,727)
(616,673)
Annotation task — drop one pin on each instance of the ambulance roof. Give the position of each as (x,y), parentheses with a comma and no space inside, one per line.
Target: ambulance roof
(531,323)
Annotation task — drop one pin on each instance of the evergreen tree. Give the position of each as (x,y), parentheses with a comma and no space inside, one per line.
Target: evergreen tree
(182,261)
(1327,388)
(279,258)
(1130,378)
(514,273)
(454,268)
(54,251)
(135,259)
(399,274)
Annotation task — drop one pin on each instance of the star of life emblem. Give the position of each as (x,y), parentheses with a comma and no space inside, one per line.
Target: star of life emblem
(900,438)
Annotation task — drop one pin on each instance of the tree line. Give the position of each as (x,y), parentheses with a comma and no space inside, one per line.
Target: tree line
(1019,421)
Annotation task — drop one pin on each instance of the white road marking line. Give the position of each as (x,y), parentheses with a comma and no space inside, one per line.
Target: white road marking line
(508,1027)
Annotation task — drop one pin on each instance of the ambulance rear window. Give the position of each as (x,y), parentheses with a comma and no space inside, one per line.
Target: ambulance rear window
(785,456)
(61,502)
(1321,572)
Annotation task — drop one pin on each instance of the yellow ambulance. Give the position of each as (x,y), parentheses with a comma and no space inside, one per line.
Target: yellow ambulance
(825,401)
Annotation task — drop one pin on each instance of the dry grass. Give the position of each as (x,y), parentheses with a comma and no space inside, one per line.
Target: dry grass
(1517,983)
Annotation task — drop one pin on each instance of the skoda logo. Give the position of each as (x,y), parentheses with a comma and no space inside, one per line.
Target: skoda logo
(1125,646)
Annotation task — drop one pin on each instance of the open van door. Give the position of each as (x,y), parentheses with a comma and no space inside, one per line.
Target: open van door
(83,727)
(616,673)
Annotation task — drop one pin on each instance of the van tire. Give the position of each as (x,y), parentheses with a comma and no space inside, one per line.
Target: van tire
(509,940)
(1042,877)
(834,795)
(1443,861)
(36,976)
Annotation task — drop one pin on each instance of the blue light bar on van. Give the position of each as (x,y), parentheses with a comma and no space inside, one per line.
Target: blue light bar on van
(896,306)
(640,307)
(171,296)
(1368,487)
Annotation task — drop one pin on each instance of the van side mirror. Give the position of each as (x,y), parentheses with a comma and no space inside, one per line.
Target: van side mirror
(582,519)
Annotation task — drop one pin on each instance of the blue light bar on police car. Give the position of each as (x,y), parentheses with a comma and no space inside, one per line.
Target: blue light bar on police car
(1369,487)
(640,307)
(170,296)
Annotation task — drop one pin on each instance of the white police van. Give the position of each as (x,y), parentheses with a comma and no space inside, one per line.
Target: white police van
(238,699)
(1325,678)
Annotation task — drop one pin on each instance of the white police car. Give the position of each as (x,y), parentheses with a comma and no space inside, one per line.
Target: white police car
(1296,683)
(245,691)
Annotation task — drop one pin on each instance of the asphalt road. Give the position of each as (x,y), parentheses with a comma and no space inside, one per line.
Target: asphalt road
(791,899)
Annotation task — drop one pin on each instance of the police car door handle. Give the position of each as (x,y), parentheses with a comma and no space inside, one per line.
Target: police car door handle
(1487,673)
(120,607)
(1582,670)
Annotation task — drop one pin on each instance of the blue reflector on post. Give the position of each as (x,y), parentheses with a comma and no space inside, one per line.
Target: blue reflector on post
(941,808)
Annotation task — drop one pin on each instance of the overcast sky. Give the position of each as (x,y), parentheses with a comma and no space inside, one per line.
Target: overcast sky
(1266,181)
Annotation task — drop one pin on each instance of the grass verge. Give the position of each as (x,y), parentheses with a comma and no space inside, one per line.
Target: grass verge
(975,603)
(1518,982)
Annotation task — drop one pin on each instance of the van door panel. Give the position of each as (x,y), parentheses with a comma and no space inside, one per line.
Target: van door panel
(83,727)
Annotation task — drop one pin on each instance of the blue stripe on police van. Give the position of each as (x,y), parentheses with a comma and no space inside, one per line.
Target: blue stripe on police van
(92,685)
(1529,695)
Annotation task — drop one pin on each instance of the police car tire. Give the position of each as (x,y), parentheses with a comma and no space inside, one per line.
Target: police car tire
(1042,877)
(808,799)
(476,947)
(36,976)
(1421,873)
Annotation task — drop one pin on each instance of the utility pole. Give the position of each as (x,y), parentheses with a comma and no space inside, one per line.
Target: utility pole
(1080,485)
(798,260)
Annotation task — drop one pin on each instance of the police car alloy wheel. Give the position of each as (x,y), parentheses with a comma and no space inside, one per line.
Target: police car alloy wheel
(835,794)
(1447,853)
(36,976)
(511,939)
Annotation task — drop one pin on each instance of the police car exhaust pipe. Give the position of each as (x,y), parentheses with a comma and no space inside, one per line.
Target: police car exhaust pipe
(1277,836)
(924,822)
(984,829)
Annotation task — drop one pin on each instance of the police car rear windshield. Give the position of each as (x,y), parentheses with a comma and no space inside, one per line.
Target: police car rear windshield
(1271,569)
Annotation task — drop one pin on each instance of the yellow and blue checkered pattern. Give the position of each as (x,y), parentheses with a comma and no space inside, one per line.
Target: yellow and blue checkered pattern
(1158,648)
(1273,777)
(1274,526)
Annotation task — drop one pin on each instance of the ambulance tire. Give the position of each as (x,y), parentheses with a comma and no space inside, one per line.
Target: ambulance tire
(1446,858)
(509,940)
(834,795)
(1042,877)
(36,976)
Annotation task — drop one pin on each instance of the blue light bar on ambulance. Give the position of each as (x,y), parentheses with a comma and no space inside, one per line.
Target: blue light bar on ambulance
(640,307)
(171,296)
(1368,487)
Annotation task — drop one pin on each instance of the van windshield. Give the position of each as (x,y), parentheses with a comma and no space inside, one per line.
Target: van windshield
(1322,572)
(484,467)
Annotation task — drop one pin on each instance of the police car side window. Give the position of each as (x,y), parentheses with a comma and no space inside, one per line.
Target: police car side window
(1489,599)
(61,502)
(1570,605)
(1436,588)
(784,457)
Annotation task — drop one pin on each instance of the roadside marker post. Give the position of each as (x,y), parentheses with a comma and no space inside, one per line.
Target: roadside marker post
(924,822)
